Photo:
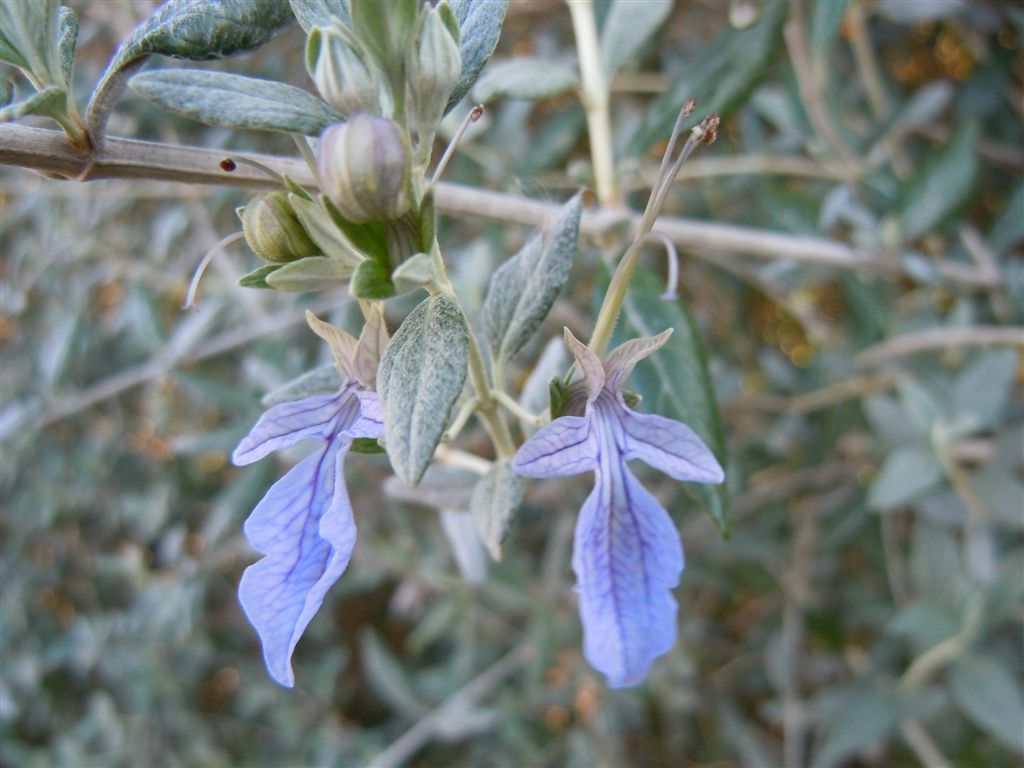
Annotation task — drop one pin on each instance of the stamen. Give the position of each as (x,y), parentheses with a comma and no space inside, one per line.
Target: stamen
(474,114)
(672,255)
(193,286)
(704,133)
(258,166)
(684,113)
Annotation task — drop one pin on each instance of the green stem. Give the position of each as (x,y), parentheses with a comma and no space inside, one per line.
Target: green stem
(424,145)
(490,415)
(487,405)
(595,97)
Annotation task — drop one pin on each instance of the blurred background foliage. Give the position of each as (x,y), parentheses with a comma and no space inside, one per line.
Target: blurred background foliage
(867,609)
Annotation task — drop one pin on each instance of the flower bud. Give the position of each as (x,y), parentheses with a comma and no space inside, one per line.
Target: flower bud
(341,70)
(273,231)
(433,65)
(364,168)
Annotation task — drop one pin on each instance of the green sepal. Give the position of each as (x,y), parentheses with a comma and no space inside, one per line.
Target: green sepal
(258,277)
(313,273)
(632,399)
(372,280)
(367,237)
(296,189)
(367,445)
(558,397)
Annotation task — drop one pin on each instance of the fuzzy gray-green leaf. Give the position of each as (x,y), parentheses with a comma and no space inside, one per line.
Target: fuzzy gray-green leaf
(943,184)
(46,102)
(66,40)
(202,29)
(732,64)
(480,25)
(496,498)
(29,38)
(318,13)
(907,474)
(524,78)
(523,289)
(989,694)
(234,101)
(186,29)
(628,25)
(420,378)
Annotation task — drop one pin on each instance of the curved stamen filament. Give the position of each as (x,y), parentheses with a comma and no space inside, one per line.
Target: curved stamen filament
(193,286)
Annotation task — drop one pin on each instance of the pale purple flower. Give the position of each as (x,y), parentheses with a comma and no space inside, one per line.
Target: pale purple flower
(304,524)
(627,554)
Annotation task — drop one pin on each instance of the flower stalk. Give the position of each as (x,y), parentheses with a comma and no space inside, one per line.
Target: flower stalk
(704,133)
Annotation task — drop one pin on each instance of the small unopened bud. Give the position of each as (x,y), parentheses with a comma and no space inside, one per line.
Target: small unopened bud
(341,70)
(364,167)
(273,230)
(433,65)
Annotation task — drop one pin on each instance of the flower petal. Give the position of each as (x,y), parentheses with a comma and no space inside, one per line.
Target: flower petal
(623,359)
(373,340)
(282,592)
(371,418)
(627,556)
(342,343)
(670,446)
(566,446)
(338,524)
(288,423)
(590,365)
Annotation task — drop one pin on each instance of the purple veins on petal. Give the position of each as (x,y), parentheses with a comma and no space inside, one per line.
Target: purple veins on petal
(282,592)
(304,524)
(564,447)
(627,556)
(670,446)
(288,423)
(371,417)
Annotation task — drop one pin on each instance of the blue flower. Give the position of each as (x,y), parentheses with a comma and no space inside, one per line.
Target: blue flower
(627,555)
(304,524)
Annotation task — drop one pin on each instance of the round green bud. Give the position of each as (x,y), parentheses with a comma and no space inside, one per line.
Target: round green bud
(364,168)
(273,231)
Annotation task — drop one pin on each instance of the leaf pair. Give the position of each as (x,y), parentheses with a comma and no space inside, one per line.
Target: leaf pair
(202,29)
(188,29)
